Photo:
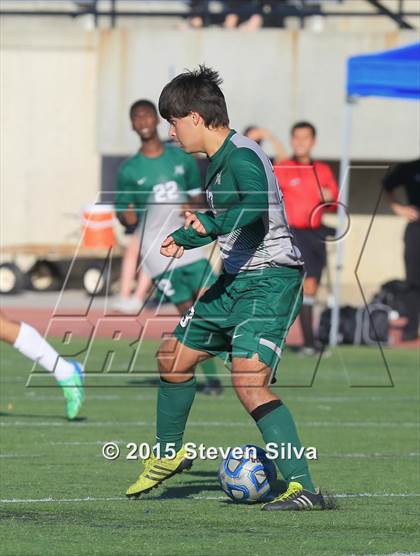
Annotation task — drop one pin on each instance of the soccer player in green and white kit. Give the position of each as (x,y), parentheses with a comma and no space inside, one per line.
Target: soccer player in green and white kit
(249,310)
(69,374)
(154,184)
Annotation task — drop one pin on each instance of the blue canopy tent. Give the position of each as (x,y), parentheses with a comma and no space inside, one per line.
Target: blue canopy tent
(395,74)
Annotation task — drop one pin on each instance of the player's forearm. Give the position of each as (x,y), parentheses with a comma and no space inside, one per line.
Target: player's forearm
(393,202)
(328,195)
(240,215)
(190,239)
(280,152)
(392,199)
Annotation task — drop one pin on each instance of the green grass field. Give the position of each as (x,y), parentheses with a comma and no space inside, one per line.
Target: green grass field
(60,496)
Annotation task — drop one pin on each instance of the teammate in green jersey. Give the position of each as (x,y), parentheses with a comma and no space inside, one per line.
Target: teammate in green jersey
(249,310)
(152,187)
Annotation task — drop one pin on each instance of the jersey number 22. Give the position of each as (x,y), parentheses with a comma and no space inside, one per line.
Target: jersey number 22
(164,192)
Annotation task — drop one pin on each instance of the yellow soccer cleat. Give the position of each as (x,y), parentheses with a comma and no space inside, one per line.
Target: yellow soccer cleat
(158,470)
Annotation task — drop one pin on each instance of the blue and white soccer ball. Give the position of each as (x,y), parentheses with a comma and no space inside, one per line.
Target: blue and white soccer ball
(247,475)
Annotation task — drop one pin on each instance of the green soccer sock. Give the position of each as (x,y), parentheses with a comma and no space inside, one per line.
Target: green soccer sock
(209,368)
(173,407)
(279,427)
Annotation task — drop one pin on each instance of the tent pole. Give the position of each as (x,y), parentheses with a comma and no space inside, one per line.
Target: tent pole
(342,220)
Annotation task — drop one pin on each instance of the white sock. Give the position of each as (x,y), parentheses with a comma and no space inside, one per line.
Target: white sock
(31,344)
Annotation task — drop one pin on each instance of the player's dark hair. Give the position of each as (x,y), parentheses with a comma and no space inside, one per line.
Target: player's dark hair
(303,125)
(195,91)
(142,103)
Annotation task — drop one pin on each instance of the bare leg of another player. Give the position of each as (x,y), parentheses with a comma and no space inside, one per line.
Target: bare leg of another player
(143,286)
(125,303)
(28,341)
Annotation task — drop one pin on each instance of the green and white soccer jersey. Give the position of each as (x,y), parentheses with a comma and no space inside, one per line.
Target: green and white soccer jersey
(247,212)
(157,187)
(258,296)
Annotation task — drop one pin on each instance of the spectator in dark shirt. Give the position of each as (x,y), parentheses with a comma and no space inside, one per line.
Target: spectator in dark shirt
(244,14)
(247,14)
(407,175)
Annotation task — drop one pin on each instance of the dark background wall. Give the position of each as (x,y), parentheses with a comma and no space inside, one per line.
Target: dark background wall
(365,182)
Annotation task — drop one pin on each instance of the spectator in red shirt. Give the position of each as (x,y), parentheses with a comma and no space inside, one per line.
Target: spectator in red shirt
(308,186)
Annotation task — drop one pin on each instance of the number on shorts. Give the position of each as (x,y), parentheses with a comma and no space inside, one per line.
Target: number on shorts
(165,286)
(187,317)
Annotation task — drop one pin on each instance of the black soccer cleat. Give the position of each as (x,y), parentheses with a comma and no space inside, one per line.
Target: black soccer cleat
(297,498)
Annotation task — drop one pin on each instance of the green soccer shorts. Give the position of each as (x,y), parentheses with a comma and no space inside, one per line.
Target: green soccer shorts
(243,314)
(183,283)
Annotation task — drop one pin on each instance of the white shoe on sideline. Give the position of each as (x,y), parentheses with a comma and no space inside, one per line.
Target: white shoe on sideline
(127,305)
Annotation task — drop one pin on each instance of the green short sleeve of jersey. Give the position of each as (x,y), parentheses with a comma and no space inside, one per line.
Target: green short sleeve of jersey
(126,187)
(251,185)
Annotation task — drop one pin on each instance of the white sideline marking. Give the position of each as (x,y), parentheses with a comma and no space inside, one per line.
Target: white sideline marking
(313,424)
(340,399)
(394,554)
(377,495)
(87,443)
(33,396)
(59,500)
(359,424)
(22,455)
(291,397)
(355,455)
(321,454)
(113,498)
(372,455)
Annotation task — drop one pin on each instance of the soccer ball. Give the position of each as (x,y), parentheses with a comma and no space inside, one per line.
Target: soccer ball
(246,475)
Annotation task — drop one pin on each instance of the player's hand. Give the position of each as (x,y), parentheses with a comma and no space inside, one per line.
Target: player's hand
(192,220)
(170,249)
(259,134)
(130,215)
(410,212)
